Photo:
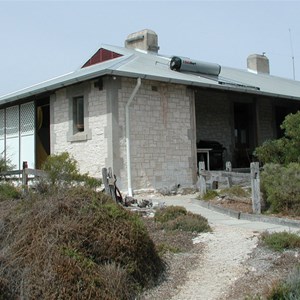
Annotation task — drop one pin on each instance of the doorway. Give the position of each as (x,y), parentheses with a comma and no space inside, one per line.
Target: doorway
(243,134)
(42,131)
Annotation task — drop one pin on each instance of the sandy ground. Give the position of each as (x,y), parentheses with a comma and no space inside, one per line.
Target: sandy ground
(220,265)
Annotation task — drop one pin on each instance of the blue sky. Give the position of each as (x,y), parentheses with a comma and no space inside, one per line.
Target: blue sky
(44,39)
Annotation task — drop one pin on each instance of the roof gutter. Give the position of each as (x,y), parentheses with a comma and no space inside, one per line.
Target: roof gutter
(127,122)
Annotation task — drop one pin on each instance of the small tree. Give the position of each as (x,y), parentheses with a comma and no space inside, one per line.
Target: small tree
(62,170)
(286,149)
(5,164)
(281,187)
(280,180)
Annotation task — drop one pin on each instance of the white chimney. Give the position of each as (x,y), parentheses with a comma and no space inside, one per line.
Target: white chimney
(258,64)
(146,40)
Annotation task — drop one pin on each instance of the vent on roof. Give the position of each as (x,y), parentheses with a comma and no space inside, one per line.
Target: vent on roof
(194,66)
(258,64)
(144,40)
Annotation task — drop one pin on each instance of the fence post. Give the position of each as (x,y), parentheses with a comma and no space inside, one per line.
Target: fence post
(105,180)
(109,183)
(228,168)
(202,182)
(24,176)
(255,187)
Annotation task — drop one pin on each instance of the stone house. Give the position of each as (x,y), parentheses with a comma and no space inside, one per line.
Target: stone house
(148,116)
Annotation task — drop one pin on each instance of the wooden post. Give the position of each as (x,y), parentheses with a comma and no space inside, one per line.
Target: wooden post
(228,168)
(25,177)
(109,183)
(202,182)
(112,184)
(255,186)
(105,181)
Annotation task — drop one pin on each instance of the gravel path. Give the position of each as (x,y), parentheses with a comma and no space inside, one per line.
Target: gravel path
(229,265)
(220,264)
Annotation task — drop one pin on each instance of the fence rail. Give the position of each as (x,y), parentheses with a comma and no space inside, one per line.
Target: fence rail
(211,179)
(25,174)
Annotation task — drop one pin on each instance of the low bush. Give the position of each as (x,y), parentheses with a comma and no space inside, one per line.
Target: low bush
(286,149)
(177,218)
(77,244)
(288,290)
(9,191)
(209,195)
(236,191)
(163,248)
(189,222)
(280,241)
(62,172)
(5,163)
(281,188)
(169,213)
(271,151)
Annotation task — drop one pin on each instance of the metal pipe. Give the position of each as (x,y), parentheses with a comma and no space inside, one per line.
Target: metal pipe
(127,123)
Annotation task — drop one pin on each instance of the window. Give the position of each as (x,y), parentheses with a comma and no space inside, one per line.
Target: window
(78,114)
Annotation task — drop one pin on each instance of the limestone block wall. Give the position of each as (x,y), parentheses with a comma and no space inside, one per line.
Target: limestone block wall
(266,120)
(162,132)
(214,119)
(89,148)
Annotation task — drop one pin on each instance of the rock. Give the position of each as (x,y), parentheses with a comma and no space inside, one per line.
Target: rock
(144,203)
(130,201)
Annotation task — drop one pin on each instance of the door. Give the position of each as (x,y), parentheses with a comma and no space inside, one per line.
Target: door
(243,134)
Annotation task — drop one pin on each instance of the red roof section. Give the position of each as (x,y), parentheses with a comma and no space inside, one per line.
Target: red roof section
(100,56)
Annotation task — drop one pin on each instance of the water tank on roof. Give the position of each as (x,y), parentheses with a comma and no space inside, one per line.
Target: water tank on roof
(194,66)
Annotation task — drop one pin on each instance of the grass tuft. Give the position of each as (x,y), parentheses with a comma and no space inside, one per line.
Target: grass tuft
(237,191)
(9,191)
(210,194)
(288,290)
(280,241)
(169,213)
(177,218)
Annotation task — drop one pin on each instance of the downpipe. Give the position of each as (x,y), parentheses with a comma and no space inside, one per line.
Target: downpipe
(127,134)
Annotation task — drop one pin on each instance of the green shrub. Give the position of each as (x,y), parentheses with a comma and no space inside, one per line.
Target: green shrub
(76,244)
(189,222)
(281,187)
(210,194)
(62,171)
(236,190)
(288,290)
(169,213)
(9,191)
(286,149)
(177,218)
(163,248)
(271,151)
(280,241)
(5,163)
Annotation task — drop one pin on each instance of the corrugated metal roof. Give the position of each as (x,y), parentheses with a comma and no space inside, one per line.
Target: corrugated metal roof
(136,63)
